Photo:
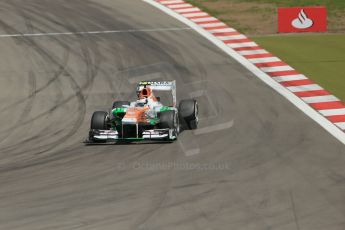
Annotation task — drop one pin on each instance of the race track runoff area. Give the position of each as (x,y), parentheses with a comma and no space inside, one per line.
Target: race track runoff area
(257,161)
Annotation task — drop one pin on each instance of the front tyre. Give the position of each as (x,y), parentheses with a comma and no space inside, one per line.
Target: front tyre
(169,120)
(99,120)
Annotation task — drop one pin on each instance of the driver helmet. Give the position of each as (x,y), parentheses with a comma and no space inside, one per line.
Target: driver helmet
(144,93)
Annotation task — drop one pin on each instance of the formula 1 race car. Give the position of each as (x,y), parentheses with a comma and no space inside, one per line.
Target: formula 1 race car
(146,118)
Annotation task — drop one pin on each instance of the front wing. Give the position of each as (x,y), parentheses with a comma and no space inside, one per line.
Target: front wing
(113,136)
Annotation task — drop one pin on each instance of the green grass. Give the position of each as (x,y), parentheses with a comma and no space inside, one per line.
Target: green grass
(319,57)
(330,4)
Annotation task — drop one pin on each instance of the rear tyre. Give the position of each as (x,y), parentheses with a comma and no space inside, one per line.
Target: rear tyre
(99,120)
(169,120)
(188,113)
(119,104)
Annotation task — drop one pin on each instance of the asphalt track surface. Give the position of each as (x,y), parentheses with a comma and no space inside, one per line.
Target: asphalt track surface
(256,163)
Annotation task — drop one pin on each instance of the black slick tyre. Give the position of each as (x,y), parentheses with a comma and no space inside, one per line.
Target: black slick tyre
(169,120)
(188,113)
(99,120)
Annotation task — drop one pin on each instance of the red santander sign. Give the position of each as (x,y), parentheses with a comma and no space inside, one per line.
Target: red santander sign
(302,19)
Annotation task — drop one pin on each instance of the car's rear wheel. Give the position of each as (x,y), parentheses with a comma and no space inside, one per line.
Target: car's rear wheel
(188,113)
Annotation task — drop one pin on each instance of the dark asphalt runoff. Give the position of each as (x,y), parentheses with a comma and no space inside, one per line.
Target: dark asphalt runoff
(256,163)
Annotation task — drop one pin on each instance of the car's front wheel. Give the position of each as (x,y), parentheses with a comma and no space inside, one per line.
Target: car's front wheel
(169,120)
(99,120)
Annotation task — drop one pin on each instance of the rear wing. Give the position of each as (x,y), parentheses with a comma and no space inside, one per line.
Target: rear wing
(160,86)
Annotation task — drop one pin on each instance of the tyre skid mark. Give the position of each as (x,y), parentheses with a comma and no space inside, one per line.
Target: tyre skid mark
(78,91)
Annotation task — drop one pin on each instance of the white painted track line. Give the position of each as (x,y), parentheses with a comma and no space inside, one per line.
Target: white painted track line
(92,32)
(214,128)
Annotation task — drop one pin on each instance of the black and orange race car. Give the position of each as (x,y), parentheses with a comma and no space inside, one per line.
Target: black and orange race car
(146,118)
